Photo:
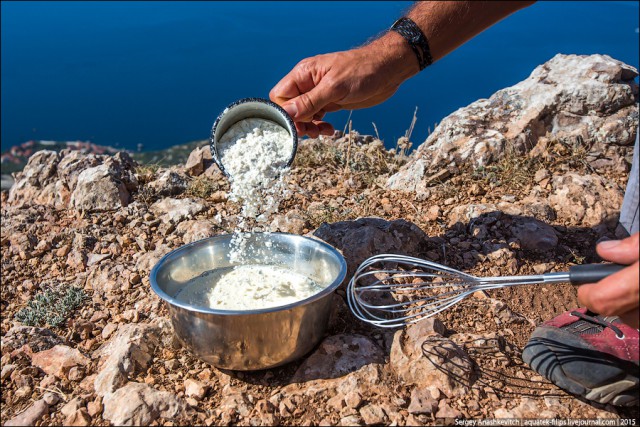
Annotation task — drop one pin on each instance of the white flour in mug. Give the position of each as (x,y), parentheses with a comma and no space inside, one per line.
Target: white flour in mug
(254,153)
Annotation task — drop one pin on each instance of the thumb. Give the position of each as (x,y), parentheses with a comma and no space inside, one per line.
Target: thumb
(302,108)
(621,251)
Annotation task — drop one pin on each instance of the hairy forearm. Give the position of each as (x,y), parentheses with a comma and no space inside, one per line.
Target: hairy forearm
(446,25)
(449,24)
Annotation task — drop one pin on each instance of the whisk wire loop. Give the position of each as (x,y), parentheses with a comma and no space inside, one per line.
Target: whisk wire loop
(390,290)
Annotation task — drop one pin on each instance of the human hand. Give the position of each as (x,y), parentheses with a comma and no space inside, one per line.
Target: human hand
(353,79)
(616,295)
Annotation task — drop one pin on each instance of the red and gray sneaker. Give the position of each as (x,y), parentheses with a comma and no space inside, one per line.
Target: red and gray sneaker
(589,355)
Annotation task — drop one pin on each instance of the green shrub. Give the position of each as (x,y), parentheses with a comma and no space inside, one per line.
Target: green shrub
(51,307)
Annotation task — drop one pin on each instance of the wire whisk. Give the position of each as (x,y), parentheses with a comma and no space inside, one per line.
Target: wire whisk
(391,290)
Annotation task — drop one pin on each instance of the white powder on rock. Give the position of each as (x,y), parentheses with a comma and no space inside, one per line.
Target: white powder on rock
(248,287)
(255,152)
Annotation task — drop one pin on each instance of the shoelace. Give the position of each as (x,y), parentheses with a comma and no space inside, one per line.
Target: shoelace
(602,322)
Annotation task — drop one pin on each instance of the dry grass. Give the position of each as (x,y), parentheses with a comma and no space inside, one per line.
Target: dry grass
(329,215)
(202,186)
(146,173)
(350,154)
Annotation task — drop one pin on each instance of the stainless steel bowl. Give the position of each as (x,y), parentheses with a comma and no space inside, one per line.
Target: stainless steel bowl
(250,108)
(250,339)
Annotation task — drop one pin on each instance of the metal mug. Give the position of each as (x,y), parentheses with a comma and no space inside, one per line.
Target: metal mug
(250,108)
(250,339)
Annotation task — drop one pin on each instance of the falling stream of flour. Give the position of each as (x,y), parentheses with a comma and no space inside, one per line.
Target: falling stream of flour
(255,153)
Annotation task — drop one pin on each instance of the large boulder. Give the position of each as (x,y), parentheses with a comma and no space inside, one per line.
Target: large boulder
(590,99)
(88,182)
(365,237)
(105,187)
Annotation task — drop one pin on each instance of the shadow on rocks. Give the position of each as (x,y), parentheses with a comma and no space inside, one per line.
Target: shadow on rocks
(493,242)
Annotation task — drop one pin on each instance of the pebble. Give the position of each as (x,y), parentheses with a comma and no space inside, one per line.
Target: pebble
(353,399)
(51,398)
(372,414)
(195,389)
(7,370)
(95,407)
(79,418)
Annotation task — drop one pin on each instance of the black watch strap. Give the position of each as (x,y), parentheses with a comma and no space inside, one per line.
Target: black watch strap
(416,39)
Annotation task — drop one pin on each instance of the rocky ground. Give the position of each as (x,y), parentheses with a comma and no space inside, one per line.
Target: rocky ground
(524,182)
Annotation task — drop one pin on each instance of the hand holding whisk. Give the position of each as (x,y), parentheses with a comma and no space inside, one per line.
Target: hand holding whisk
(384,294)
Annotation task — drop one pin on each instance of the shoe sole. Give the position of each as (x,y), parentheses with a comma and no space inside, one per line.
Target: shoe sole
(551,352)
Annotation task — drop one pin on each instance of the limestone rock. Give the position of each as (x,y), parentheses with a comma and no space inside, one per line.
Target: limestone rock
(59,360)
(372,415)
(364,237)
(129,349)
(290,222)
(33,413)
(39,173)
(199,160)
(446,411)
(194,230)
(194,388)
(422,402)
(169,183)
(105,187)
(338,355)
(176,210)
(430,360)
(146,261)
(236,402)
(79,418)
(38,339)
(593,98)
(586,200)
(140,404)
(72,406)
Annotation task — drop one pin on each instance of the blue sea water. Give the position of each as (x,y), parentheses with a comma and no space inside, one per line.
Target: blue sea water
(158,73)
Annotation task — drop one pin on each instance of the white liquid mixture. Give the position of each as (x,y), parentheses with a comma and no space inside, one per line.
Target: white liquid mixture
(247,287)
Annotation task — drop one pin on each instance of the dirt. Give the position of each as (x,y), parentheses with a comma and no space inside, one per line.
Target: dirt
(345,191)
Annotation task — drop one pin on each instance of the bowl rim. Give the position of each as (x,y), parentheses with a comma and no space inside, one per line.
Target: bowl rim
(177,303)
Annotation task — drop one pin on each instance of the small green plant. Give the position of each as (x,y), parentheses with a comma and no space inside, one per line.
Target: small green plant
(51,307)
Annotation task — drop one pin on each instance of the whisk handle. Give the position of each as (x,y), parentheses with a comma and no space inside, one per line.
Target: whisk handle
(592,273)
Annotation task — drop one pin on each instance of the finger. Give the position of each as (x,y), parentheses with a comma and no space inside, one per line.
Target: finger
(302,108)
(301,128)
(621,251)
(318,116)
(308,129)
(631,318)
(326,128)
(301,79)
(284,90)
(332,107)
(313,131)
(613,295)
